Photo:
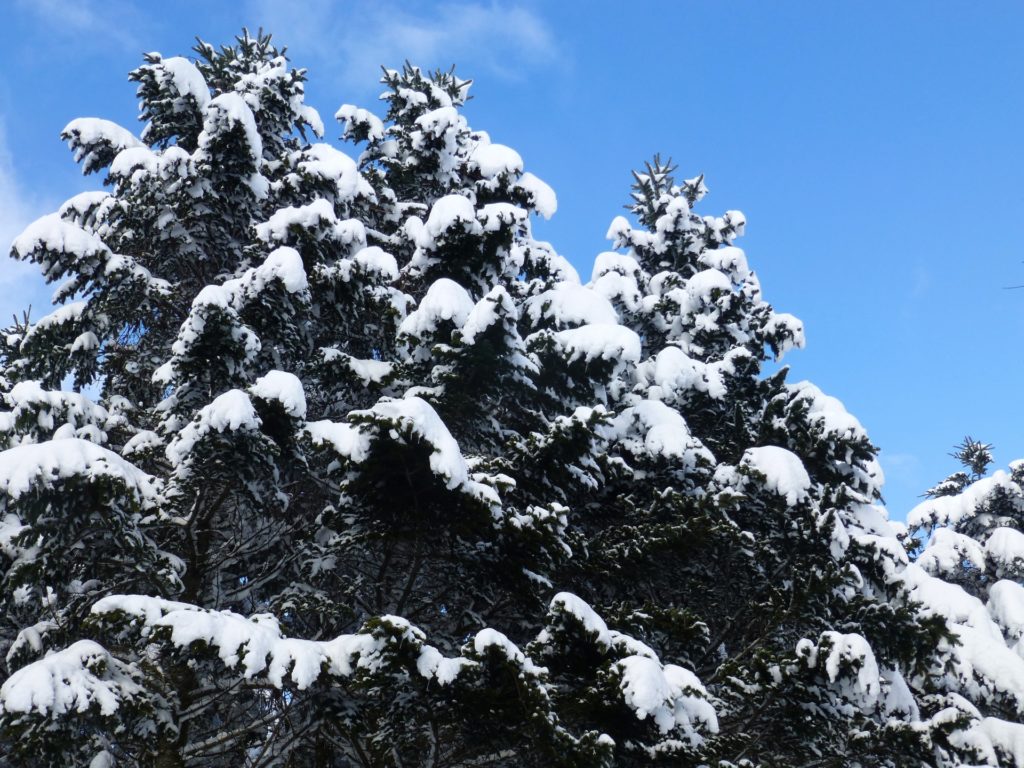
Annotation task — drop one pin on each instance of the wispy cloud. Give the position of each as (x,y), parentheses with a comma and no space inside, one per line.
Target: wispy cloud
(351,41)
(20,283)
(89,21)
(899,461)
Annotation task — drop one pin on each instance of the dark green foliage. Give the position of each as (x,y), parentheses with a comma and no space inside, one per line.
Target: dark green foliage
(396,489)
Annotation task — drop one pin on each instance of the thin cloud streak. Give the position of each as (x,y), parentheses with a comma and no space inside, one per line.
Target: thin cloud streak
(89,22)
(20,283)
(350,42)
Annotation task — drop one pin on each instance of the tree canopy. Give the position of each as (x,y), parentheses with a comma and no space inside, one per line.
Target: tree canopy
(357,472)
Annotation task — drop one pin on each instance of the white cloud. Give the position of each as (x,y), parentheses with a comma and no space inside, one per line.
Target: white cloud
(20,283)
(348,43)
(89,21)
(899,461)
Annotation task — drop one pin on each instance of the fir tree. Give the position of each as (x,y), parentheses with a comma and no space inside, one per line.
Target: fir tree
(373,479)
(967,539)
(738,529)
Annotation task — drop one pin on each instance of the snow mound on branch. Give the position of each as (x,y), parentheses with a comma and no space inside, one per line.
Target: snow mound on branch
(330,164)
(495,159)
(945,599)
(652,428)
(672,696)
(396,417)
(255,645)
(571,304)
(445,301)
(438,121)
(543,258)
(84,133)
(348,440)
(376,259)
(10,528)
(72,408)
(356,116)
(51,233)
(729,260)
(542,196)
(494,217)
(497,304)
(187,79)
(488,639)
(369,371)
(703,285)
(982,662)
(617,287)
(284,388)
(848,659)
(448,213)
(431,663)
(229,110)
(91,130)
(828,413)
(594,625)
(579,609)
(79,678)
(231,412)
(143,440)
(79,205)
(1005,547)
(950,510)
(674,372)
(600,341)
(609,262)
(283,264)
(789,329)
(1006,606)
(948,550)
(133,159)
(783,471)
(25,467)
(69,313)
(995,737)
(619,232)
(416,415)
(319,213)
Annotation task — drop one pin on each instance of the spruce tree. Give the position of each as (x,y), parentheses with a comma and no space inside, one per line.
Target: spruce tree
(967,540)
(373,479)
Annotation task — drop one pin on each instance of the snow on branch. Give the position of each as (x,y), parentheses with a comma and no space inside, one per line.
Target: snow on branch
(781,470)
(651,428)
(848,660)
(568,305)
(255,646)
(231,412)
(95,142)
(80,678)
(673,697)
(283,388)
(950,510)
(26,467)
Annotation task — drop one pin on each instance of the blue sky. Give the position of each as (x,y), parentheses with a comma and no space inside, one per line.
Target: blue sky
(874,147)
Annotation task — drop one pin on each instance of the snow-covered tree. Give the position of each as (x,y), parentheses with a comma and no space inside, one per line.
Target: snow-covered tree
(372,478)
(738,526)
(968,544)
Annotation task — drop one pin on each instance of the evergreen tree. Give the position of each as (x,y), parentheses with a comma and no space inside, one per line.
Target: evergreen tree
(739,529)
(967,539)
(373,479)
